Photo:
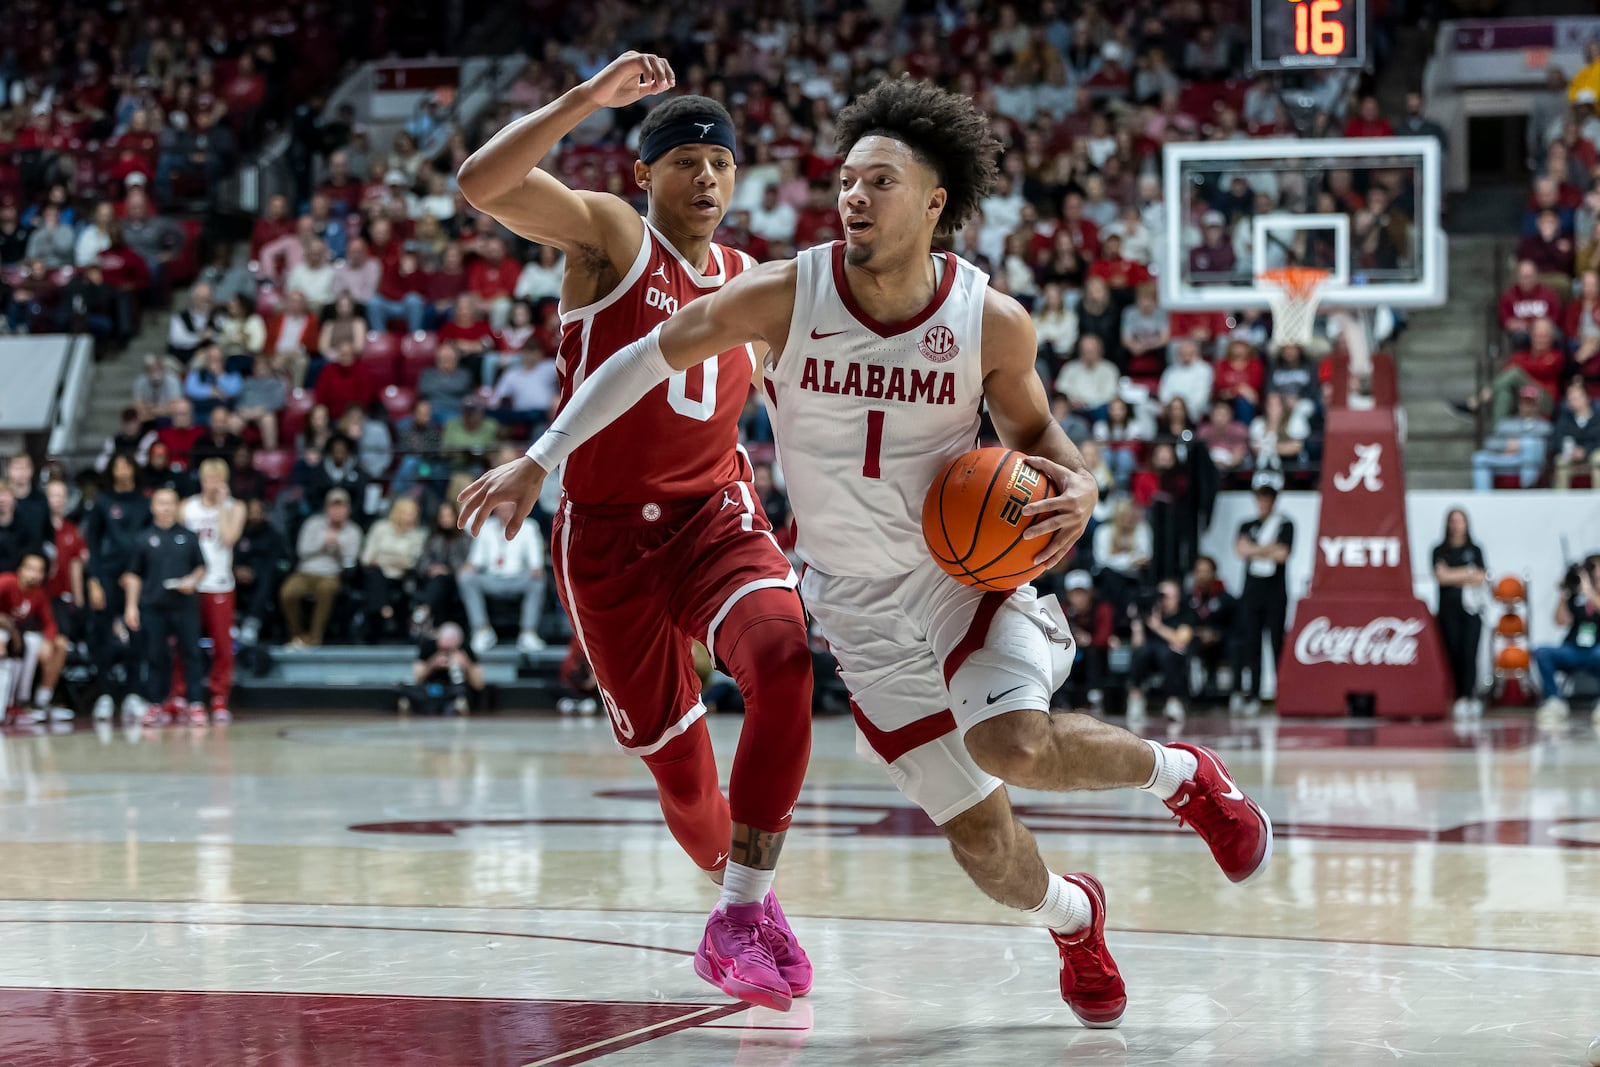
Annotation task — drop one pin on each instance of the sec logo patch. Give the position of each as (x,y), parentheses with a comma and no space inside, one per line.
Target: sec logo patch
(939,344)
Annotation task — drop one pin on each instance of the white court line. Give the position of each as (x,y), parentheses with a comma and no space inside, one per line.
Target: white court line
(621,1037)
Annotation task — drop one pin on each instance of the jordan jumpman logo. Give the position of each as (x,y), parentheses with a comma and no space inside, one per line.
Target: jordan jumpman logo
(727,501)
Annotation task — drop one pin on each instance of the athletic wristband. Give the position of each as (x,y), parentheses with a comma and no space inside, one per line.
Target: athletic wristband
(621,382)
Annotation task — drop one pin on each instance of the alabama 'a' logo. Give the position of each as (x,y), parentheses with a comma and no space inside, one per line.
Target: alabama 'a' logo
(939,344)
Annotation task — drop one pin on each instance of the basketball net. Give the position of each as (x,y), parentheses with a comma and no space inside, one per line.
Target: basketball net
(1292,292)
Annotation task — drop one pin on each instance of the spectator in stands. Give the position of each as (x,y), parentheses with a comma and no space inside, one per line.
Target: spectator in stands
(260,563)
(493,280)
(526,393)
(447,383)
(1294,376)
(262,397)
(1161,639)
(1122,552)
(1547,197)
(1213,259)
(342,186)
(1121,274)
(1579,652)
(210,385)
(52,241)
(156,391)
(1239,379)
(194,326)
(344,382)
(343,324)
(1099,316)
(338,467)
(316,433)
(541,276)
(163,470)
(292,337)
(1189,378)
(1212,608)
(389,557)
(357,276)
(1056,326)
(446,677)
(1543,364)
(219,441)
(1264,543)
(504,570)
(1120,434)
(1145,329)
(401,294)
(19,536)
(1225,439)
(1576,438)
(96,236)
(446,286)
(519,329)
(1089,382)
(155,239)
(275,223)
(241,332)
(1278,435)
(31,506)
(313,277)
(245,482)
(1417,124)
(469,436)
(328,546)
(1549,250)
(469,334)
(13,234)
(373,443)
(1582,324)
(1093,630)
(421,446)
(1368,121)
(443,557)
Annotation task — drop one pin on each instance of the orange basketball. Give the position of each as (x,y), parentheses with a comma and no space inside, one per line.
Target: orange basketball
(1512,658)
(1511,625)
(973,522)
(1509,589)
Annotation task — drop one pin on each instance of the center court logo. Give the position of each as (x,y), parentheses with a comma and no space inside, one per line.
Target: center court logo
(939,344)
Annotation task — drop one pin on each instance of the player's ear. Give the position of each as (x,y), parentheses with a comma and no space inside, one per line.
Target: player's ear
(936,202)
(641,174)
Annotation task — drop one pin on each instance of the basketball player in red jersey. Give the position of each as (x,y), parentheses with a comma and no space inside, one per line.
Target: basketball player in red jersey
(660,538)
(881,354)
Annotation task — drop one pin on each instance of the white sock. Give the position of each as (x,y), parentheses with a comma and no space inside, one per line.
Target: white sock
(1174,766)
(744,885)
(44,694)
(1065,907)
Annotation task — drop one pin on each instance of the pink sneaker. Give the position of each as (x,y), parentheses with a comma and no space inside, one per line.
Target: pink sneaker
(791,959)
(733,956)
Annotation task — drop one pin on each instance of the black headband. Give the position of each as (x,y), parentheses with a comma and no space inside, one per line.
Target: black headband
(702,127)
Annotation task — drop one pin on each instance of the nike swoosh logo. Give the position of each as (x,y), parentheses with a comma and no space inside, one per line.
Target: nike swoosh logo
(1001,696)
(1233,792)
(815,336)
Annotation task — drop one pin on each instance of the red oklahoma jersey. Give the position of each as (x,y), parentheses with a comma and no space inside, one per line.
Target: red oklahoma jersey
(682,440)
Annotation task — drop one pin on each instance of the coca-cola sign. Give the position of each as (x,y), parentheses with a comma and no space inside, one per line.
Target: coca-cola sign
(1384,642)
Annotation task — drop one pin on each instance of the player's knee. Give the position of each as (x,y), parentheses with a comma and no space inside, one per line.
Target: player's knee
(1010,746)
(771,655)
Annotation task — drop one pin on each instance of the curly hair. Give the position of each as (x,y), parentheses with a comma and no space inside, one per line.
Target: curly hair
(944,130)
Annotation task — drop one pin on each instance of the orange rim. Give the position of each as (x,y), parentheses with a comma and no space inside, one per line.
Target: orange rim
(1299,282)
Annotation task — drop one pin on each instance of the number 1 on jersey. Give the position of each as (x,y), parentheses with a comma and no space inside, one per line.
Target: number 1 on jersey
(870,467)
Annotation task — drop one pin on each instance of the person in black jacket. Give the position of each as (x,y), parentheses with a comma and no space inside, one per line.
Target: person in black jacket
(160,583)
(260,562)
(1463,593)
(1264,543)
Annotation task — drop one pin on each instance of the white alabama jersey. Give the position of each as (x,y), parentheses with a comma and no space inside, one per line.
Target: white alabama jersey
(206,522)
(866,413)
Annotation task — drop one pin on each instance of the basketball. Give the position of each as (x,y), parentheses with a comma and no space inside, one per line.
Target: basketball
(973,523)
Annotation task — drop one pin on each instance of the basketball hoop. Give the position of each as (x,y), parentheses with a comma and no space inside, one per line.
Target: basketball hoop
(1294,301)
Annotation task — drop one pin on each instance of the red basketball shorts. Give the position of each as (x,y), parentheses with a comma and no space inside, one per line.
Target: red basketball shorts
(642,582)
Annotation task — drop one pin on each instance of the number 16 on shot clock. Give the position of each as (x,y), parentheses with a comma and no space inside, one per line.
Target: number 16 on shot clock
(1317,29)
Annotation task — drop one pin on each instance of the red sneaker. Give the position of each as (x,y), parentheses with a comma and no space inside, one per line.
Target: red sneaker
(155,715)
(1231,824)
(220,712)
(197,715)
(1090,982)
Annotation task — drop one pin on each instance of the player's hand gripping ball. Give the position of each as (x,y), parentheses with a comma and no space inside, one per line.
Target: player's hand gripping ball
(973,518)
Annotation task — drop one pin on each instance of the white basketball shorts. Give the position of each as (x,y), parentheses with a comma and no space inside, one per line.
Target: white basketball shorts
(925,659)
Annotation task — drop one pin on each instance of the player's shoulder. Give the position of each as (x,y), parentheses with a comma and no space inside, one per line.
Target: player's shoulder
(1005,320)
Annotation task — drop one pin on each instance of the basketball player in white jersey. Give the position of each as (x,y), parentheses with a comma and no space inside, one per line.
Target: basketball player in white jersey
(217,520)
(880,355)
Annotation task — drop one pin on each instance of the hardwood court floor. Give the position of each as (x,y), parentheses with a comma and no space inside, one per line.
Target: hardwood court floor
(362,891)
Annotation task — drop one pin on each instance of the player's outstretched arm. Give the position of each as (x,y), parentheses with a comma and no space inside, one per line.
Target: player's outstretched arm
(753,308)
(502,178)
(1021,414)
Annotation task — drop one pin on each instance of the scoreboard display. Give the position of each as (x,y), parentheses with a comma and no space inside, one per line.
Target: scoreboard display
(1308,34)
